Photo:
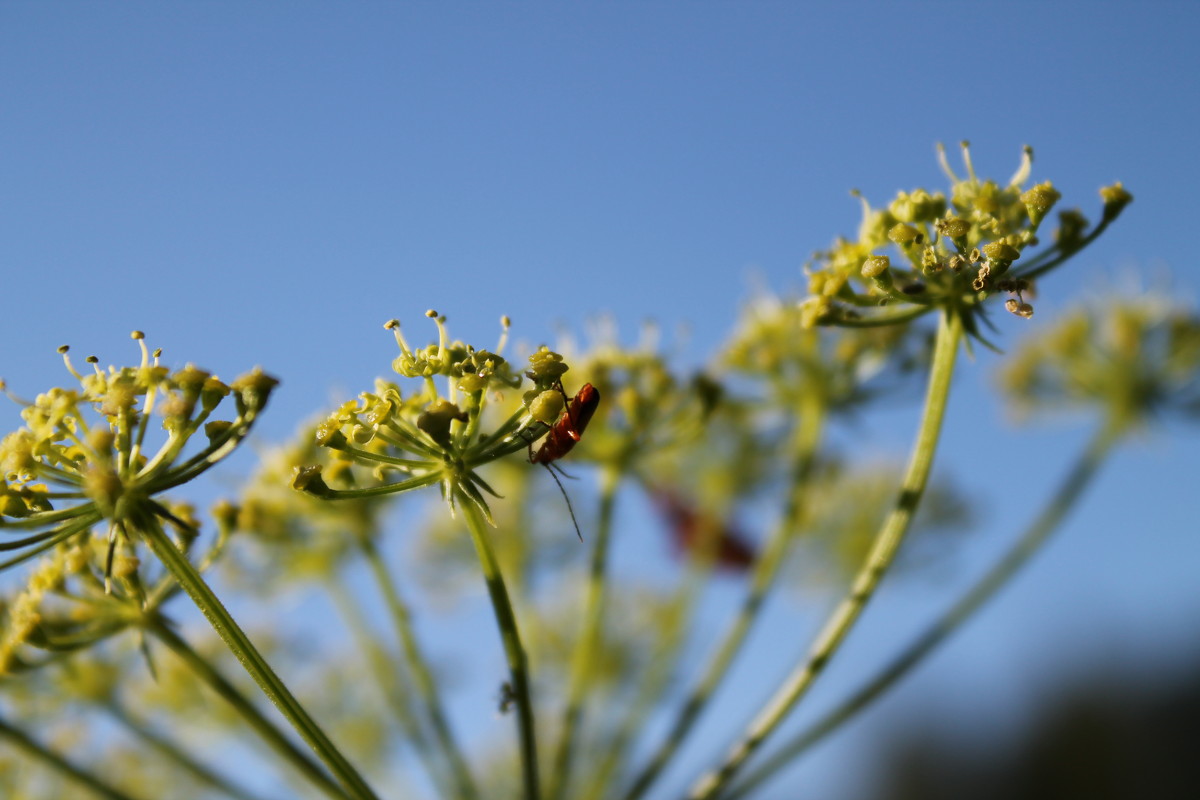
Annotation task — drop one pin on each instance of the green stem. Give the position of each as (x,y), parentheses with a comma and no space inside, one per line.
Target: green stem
(1046,523)
(61,535)
(419,669)
(175,753)
(250,713)
(60,764)
(492,450)
(247,654)
(586,646)
(379,491)
(392,682)
(883,549)
(894,316)
(518,664)
(804,447)
(1036,268)
(657,679)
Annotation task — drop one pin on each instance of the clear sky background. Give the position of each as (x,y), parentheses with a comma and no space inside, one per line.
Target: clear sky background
(268,183)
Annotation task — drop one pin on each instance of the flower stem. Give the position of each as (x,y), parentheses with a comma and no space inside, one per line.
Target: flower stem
(1046,523)
(514,652)
(804,445)
(253,662)
(419,669)
(584,656)
(657,678)
(1055,256)
(393,683)
(174,752)
(266,730)
(60,764)
(883,549)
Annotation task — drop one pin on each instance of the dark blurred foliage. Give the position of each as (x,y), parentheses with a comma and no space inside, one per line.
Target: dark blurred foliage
(1106,739)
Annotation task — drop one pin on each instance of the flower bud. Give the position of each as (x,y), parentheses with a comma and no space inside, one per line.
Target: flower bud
(103,485)
(905,235)
(918,206)
(12,505)
(545,406)
(101,443)
(436,420)
(253,389)
(308,479)
(875,266)
(216,429)
(1115,199)
(190,379)
(953,227)
(361,434)
(120,398)
(876,269)
(329,434)
(546,366)
(212,394)
(1001,252)
(125,566)
(1039,200)
(1071,225)
(226,513)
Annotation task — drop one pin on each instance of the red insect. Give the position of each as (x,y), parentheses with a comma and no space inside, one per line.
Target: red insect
(564,433)
(570,426)
(689,528)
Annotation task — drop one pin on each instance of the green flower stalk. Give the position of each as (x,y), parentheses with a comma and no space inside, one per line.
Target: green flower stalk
(863,587)
(1071,489)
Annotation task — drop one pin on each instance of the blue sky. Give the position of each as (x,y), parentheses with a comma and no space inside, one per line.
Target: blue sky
(268,184)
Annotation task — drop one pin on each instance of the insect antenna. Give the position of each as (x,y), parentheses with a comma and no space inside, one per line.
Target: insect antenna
(570,510)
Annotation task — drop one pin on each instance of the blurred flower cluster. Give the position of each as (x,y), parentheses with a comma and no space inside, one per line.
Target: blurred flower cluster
(1136,358)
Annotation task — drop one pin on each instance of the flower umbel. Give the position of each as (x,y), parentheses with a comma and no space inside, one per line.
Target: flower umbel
(433,435)
(84,456)
(954,252)
(1133,357)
